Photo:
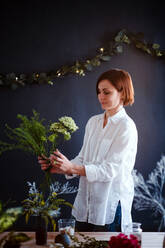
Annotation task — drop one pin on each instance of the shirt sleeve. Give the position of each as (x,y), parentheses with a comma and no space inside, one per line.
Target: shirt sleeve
(121,154)
(80,157)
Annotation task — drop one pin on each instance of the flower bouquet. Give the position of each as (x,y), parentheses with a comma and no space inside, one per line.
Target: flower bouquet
(35,137)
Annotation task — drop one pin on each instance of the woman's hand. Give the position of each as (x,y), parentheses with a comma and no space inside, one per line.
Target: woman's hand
(60,163)
(45,163)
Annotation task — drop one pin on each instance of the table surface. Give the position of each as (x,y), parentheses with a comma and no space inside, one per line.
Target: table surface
(149,239)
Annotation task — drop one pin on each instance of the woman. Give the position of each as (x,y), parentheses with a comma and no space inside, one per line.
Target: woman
(106,159)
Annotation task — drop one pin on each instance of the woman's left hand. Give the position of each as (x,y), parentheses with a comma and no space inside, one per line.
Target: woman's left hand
(59,161)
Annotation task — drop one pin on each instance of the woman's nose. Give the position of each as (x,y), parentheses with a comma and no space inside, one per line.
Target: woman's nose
(101,96)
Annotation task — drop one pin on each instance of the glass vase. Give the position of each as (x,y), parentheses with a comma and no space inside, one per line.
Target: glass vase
(134,229)
(137,231)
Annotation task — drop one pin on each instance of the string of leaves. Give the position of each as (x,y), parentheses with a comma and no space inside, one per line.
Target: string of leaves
(81,67)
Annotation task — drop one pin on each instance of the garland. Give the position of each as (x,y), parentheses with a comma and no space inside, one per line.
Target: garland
(103,54)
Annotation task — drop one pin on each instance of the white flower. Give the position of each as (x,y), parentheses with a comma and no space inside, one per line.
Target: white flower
(69,123)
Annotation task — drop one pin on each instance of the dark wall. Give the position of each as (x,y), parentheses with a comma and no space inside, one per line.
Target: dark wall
(44,35)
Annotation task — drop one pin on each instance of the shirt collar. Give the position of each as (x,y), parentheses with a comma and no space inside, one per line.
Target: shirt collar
(116,117)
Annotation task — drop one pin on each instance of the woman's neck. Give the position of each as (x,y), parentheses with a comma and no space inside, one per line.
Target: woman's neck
(113,111)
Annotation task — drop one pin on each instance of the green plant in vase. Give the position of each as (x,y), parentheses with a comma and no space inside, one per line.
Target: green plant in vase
(45,208)
(33,136)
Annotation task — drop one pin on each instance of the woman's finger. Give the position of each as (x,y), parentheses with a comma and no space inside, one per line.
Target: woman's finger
(45,166)
(54,159)
(56,164)
(57,159)
(44,157)
(43,161)
(59,154)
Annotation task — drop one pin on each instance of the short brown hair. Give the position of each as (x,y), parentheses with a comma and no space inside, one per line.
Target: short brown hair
(122,81)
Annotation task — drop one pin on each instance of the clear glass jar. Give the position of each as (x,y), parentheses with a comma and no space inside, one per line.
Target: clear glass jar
(137,231)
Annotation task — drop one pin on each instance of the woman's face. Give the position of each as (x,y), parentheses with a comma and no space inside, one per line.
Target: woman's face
(108,96)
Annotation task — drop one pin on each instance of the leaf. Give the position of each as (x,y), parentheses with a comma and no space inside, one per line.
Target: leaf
(155,46)
(50,82)
(21,237)
(95,61)
(105,58)
(159,53)
(53,224)
(27,217)
(88,66)
(11,76)
(126,39)
(120,35)
(22,76)
(138,44)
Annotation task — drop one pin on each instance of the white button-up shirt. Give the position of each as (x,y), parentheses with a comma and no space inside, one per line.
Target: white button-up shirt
(108,155)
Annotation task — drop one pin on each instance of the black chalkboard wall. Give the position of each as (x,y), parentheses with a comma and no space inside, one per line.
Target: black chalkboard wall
(44,35)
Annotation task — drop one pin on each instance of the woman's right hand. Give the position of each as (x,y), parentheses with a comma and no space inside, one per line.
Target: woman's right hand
(47,163)
(44,162)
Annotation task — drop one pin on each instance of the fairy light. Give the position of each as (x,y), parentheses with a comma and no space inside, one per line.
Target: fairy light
(102,49)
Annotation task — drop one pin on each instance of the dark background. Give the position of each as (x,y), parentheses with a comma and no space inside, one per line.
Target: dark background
(41,36)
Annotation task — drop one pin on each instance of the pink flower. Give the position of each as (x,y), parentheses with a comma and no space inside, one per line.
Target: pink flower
(123,241)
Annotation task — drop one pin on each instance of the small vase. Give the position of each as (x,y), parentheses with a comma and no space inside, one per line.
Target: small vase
(41,231)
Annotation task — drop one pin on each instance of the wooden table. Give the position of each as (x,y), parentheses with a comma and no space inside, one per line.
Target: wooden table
(149,239)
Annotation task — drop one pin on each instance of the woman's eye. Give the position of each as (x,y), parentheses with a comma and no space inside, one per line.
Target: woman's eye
(106,92)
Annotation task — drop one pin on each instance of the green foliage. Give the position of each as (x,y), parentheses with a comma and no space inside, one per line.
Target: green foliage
(79,67)
(8,216)
(30,135)
(35,137)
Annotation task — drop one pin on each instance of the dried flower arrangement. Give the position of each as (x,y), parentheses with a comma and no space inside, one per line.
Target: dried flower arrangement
(37,204)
